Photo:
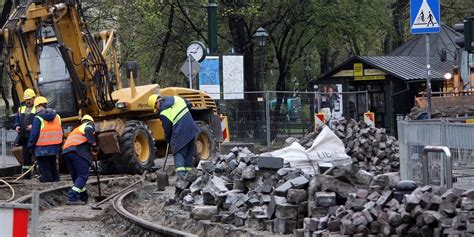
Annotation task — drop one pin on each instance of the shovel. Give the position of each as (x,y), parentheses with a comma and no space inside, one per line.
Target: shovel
(96,167)
(161,175)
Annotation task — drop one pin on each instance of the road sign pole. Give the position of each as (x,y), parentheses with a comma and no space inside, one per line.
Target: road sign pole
(428,75)
(190,72)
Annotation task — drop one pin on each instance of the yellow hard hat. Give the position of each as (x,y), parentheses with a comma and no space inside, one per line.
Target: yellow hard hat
(40,100)
(87,117)
(29,94)
(152,101)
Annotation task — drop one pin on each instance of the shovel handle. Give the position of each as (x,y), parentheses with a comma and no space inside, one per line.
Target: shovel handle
(166,155)
(96,170)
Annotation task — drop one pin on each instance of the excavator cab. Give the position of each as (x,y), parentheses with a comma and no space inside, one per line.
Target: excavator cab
(54,81)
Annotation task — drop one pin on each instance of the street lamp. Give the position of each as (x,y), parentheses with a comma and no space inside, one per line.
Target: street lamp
(448,76)
(261,37)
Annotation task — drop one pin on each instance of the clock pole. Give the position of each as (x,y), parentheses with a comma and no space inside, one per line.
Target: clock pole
(212,26)
(190,68)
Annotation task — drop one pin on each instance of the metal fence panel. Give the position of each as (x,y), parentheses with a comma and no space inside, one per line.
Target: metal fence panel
(458,137)
(250,118)
(7,140)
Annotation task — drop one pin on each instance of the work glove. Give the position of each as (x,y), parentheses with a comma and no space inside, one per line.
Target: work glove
(94,151)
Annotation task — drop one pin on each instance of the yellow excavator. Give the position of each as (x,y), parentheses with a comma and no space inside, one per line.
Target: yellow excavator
(49,48)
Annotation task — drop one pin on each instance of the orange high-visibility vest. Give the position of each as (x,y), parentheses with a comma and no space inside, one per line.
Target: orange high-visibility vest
(51,132)
(77,136)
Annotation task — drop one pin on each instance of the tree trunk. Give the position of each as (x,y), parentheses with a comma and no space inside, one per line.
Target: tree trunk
(166,40)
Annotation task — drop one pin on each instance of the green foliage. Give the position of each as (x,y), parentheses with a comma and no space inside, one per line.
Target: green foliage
(307,37)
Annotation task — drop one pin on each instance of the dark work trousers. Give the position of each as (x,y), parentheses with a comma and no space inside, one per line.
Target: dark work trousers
(27,161)
(78,167)
(47,168)
(183,159)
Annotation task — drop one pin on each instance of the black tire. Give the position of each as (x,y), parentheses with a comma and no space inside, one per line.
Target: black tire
(137,149)
(205,145)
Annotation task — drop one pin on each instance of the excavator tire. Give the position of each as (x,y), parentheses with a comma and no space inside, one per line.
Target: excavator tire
(137,149)
(206,145)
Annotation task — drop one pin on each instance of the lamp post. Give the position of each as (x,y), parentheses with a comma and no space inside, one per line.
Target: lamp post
(261,37)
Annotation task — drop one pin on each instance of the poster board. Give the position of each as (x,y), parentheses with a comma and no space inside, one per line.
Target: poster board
(209,77)
(233,76)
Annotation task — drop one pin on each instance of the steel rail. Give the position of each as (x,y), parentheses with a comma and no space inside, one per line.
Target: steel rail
(142,223)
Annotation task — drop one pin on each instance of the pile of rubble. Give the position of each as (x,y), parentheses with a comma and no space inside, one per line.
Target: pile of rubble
(370,148)
(259,193)
(453,111)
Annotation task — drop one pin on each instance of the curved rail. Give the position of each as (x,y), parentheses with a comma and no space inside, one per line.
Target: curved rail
(142,223)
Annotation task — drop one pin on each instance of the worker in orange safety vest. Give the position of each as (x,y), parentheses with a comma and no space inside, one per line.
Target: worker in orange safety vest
(45,139)
(79,149)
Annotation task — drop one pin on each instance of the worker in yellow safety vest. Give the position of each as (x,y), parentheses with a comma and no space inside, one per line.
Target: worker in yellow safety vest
(180,129)
(22,124)
(79,149)
(45,139)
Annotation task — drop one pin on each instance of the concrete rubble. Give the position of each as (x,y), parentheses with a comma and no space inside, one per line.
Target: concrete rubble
(370,148)
(343,200)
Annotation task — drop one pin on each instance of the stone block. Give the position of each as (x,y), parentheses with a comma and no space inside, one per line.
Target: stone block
(274,163)
(334,224)
(203,212)
(362,193)
(411,201)
(358,204)
(248,172)
(394,219)
(256,224)
(281,226)
(325,199)
(296,195)
(299,182)
(467,204)
(347,228)
(386,195)
(286,211)
(283,188)
(217,185)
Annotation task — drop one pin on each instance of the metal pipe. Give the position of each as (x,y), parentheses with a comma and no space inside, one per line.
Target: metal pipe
(446,172)
(212,26)
(267,115)
(428,75)
(34,213)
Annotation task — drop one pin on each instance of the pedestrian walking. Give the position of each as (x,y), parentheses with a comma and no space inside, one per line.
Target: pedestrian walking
(78,151)
(45,139)
(180,129)
(22,123)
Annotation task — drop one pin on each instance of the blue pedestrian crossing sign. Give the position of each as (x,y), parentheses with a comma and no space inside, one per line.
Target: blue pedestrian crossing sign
(424,16)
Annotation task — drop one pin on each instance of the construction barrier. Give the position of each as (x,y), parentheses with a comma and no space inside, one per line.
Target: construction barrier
(15,217)
(14,222)
(319,119)
(225,129)
(369,118)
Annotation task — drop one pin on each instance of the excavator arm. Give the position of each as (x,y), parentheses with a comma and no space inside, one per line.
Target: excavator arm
(49,48)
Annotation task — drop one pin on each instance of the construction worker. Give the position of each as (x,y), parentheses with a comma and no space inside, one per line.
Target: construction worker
(45,139)
(180,129)
(79,149)
(22,123)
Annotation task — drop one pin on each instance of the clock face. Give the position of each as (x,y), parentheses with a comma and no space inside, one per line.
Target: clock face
(196,50)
